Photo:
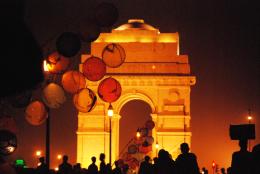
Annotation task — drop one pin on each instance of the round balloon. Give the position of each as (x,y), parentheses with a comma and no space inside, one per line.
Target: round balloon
(113,55)
(149,124)
(8,123)
(89,32)
(21,100)
(57,63)
(36,113)
(68,44)
(8,142)
(53,95)
(132,149)
(106,14)
(73,81)
(94,68)
(109,90)
(85,100)
(149,140)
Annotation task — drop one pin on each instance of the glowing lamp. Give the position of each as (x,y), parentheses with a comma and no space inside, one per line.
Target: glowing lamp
(85,100)
(138,134)
(94,68)
(113,55)
(59,157)
(56,63)
(157,145)
(56,169)
(8,142)
(249,118)
(110,111)
(36,113)
(53,95)
(109,90)
(73,81)
(38,153)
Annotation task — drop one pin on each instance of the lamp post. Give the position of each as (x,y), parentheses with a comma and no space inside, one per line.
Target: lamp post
(110,113)
(249,118)
(46,68)
(157,147)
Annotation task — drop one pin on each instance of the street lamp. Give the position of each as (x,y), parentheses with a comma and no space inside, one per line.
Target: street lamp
(157,147)
(110,113)
(46,68)
(138,133)
(249,118)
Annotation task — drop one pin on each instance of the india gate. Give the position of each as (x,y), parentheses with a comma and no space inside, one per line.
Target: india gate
(155,72)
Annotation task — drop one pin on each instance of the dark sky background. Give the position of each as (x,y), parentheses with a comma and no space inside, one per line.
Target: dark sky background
(222,39)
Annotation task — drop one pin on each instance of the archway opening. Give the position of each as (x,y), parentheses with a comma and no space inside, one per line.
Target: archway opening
(134,114)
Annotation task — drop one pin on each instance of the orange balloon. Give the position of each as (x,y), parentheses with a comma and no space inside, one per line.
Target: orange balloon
(73,81)
(57,63)
(94,68)
(113,55)
(85,100)
(36,113)
(109,90)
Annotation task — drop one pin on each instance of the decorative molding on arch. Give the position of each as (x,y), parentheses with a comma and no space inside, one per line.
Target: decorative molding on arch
(133,96)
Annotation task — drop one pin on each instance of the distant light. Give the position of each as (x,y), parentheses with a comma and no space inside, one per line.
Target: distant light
(10,149)
(213,164)
(249,117)
(110,111)
(39,163)
(153,67)
(56,168)
(157,146)
(138,134)
(59,156)
(19,162)
(38,153)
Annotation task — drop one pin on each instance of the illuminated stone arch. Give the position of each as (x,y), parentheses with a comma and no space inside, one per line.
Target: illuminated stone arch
(154,72)
(134,96)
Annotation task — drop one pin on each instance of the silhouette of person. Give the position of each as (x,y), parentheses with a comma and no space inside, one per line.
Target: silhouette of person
(102,166)
(229,170)
(42,168)
(125,168)
(241,160)
(204,170)
(155,165)
(117,169)
(223,171)
(165,165)
(186,163)
(108,168)
(146,167)
(256,159)
(77,169)
(65,167)
(92,168)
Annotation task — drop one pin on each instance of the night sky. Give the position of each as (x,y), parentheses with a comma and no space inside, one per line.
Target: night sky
(222,39)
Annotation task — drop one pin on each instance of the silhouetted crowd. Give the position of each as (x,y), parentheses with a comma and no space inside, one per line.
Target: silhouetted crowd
(243,162)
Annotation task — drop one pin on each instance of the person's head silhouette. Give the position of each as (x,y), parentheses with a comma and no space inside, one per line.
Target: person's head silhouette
(65,158)
(116,163)
(184,148)
(102,157)
(93,159)
(243,144)
(41,159)
(147,158)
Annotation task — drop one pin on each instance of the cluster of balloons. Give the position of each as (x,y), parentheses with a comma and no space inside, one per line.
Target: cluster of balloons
(68,45)
(141,145)
(74,82)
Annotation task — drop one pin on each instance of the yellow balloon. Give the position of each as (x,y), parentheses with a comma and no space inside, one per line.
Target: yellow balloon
(85,100)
